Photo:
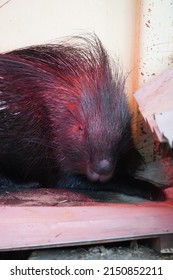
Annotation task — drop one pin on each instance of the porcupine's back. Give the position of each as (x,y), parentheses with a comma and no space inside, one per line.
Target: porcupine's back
(62,110)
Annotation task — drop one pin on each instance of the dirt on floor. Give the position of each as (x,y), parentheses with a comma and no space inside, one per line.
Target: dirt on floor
(131,250)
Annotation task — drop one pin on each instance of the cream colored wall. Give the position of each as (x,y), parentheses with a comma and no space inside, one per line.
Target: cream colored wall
(26,22)
(140,32)
(155,38)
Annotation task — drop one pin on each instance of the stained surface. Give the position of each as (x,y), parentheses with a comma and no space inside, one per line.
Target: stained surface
(81,220)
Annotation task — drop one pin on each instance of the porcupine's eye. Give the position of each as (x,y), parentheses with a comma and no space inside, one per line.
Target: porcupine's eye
(77,132)
(81,130)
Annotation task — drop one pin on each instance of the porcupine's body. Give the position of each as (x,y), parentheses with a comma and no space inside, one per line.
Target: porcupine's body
(64,120)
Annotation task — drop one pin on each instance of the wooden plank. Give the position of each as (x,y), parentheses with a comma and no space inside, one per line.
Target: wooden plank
(29,227)
(165,125)
(156,97)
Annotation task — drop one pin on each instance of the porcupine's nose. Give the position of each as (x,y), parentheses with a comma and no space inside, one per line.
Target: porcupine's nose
(104,167)
(102,171)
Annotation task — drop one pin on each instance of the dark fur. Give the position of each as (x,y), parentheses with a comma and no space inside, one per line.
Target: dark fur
(64,120)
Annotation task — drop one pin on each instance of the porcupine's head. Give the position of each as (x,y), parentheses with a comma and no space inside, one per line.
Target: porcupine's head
(87,105)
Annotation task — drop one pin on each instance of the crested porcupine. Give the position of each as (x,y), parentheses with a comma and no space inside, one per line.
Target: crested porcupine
(65,121)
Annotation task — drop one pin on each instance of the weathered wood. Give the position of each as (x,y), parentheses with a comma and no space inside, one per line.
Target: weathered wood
(165,125)
(25,227)
(156,97)
(61,198)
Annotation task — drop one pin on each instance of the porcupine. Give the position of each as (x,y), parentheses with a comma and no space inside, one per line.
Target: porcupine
(65,120)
